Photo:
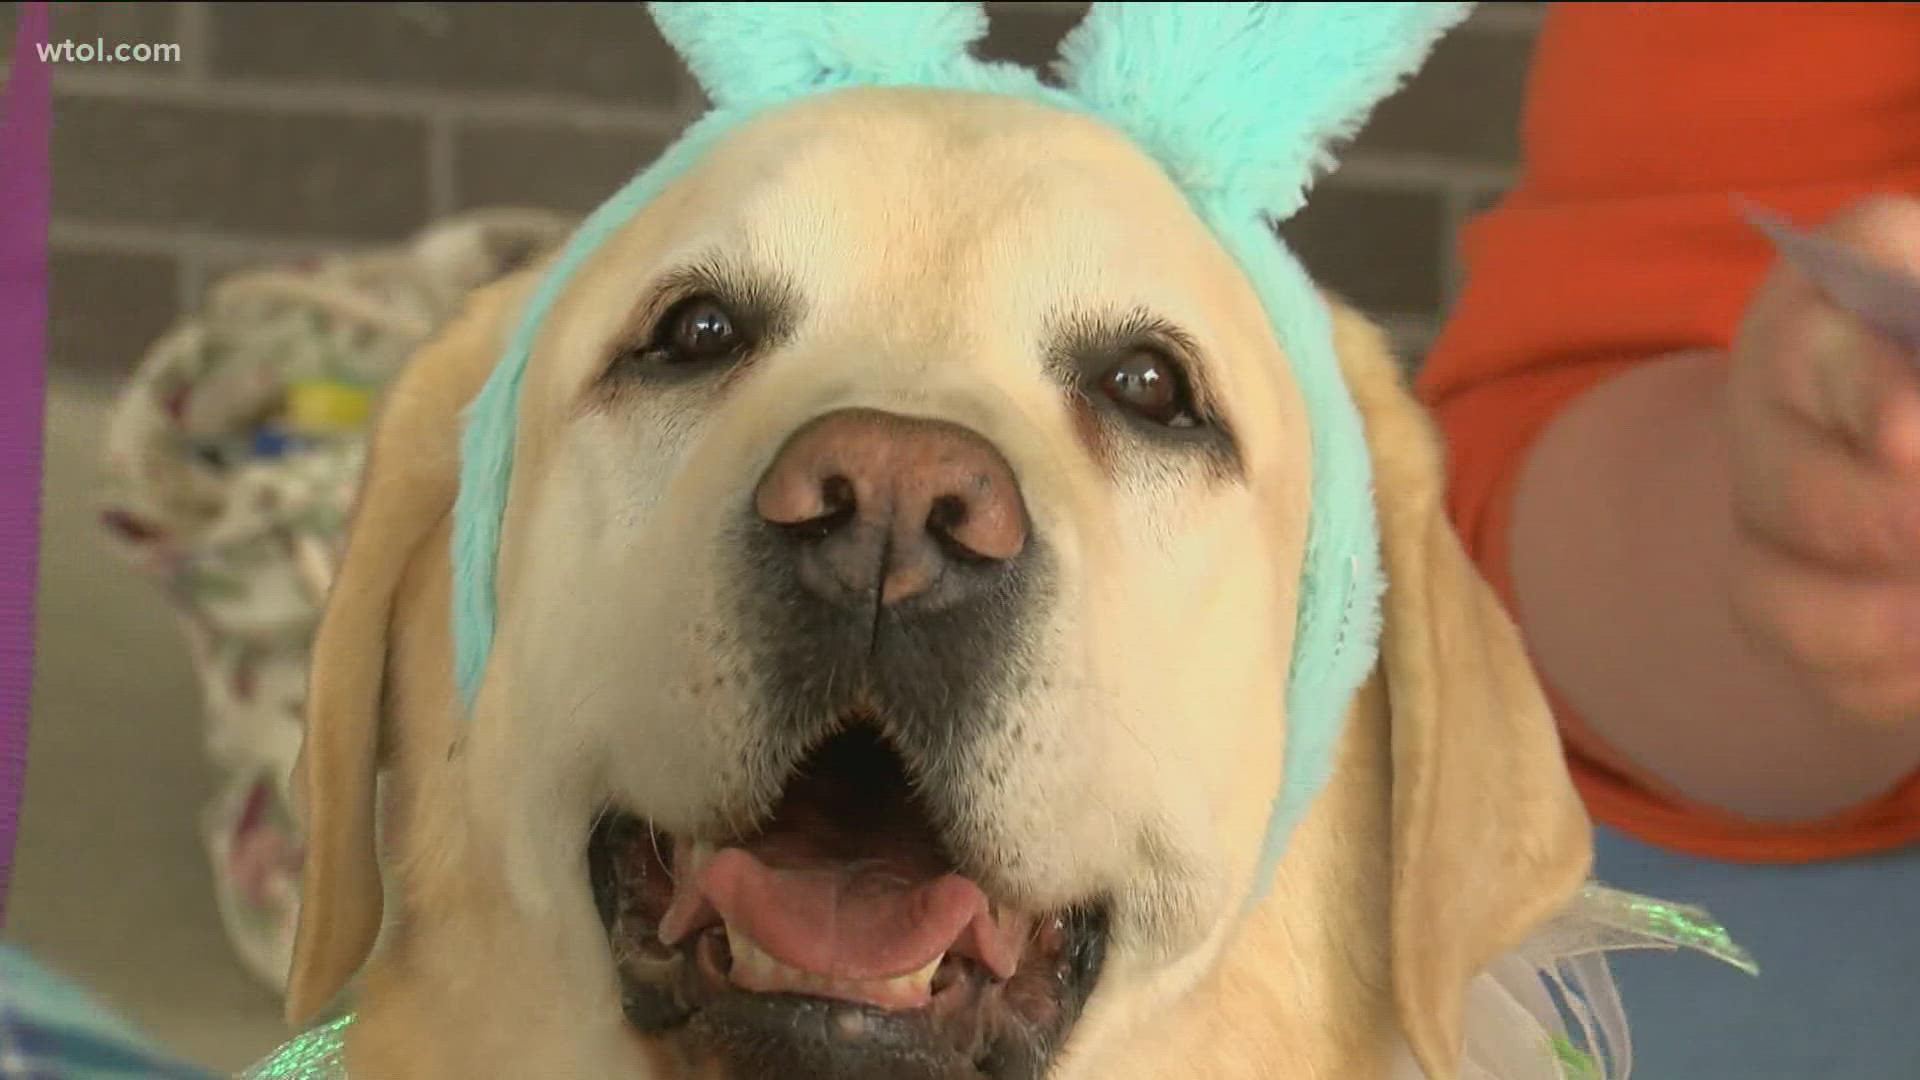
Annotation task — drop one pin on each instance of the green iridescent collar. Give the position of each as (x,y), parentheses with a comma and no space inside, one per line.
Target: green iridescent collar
(1566,955)
(316,1054)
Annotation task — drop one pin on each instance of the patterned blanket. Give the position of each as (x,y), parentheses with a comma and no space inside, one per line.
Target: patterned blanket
(233,453)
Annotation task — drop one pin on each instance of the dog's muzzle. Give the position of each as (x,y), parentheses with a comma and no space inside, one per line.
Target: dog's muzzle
(888,579)
(890,567)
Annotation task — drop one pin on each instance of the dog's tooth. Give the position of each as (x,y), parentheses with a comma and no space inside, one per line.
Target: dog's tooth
(701,852)
(803,982)
(922,979)
(757,970)
(748,960)
(915,986)
(782,976)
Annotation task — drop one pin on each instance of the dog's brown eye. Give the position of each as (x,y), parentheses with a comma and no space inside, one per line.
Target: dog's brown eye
(698,330)
(1152,387)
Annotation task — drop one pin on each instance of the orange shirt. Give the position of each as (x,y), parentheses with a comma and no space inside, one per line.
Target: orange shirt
(1620,242)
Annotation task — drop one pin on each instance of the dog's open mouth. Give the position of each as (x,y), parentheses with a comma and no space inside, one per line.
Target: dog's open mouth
(840,927)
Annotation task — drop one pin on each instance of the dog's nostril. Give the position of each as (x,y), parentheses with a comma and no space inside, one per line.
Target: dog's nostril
(838,505)
(837,496)
(947,513)
(835,503)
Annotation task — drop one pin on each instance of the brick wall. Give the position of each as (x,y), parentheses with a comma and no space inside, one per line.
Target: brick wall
(288,129)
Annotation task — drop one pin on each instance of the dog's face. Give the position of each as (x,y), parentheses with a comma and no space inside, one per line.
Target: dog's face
(895,605)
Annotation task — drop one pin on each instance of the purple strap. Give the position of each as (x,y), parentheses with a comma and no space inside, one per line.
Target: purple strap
(24,122)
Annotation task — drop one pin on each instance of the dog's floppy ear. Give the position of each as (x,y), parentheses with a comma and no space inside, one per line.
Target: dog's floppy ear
(406,490)
(1489,837)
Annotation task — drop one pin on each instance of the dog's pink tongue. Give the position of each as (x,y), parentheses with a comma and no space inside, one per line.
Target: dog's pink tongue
(849,921)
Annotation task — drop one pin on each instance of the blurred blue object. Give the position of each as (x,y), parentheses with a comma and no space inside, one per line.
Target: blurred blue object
(52,1030)
(1839,964)
(272,442)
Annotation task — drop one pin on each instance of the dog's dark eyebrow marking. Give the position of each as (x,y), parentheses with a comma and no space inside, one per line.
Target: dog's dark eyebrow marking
(765,304)
(1084,339)
(1084,344)
(765,307)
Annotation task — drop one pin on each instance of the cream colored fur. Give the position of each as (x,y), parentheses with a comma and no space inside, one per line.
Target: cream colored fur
(936,237)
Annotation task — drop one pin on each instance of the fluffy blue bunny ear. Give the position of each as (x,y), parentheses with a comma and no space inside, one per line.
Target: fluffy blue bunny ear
(1245,101)
(748,54)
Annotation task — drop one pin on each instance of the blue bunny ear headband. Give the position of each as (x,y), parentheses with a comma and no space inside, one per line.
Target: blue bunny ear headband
(1240,103)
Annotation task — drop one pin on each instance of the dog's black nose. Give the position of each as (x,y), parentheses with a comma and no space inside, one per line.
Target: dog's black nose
(882,509)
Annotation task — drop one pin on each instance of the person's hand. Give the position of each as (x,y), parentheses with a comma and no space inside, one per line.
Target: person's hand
(1826,483)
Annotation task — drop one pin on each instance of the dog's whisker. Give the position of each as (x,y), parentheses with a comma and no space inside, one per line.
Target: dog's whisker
(653,837)
(579,705)
(600,817)
(1121,722)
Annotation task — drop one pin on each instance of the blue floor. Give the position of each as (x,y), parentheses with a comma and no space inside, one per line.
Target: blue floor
(1838,997)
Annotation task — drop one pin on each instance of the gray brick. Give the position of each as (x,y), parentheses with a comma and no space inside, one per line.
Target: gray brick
(111,23)
(1028,33)
(238,171)
(1468,205)
(118,24)
(1465,104)
(1380,249)
(328,144)
(601,51)
(545,167)
(1479,201)
(106,309)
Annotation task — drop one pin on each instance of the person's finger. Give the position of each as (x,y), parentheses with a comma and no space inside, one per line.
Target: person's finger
(1883,228)
(1824,363)
(1824,622)
(1799,487)
(1878,403)
(1824,366)
(1894,426)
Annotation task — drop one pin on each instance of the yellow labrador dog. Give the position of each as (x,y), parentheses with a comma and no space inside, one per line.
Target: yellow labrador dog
(895,600)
